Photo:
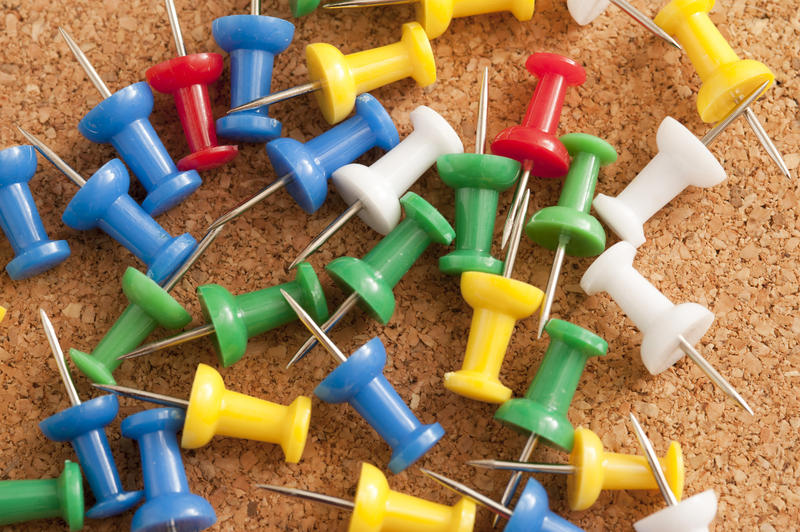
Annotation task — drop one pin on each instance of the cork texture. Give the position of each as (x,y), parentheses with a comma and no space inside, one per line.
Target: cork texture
(733,248)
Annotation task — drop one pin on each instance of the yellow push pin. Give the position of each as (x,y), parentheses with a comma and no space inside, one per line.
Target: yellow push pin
(378,508)
(212,410)
(2,313)
(727,79)
(337,78)
(498,303)
(591,470)
(435,15)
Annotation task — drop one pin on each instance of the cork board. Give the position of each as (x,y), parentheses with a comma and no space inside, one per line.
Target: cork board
(733,248)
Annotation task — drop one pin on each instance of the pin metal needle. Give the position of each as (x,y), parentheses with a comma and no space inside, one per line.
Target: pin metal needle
(328,232)
(522,185)
(483,114)
(646,22)
(339,4)
(55,348)
(279,96)
(54,159)
(466,491)
(180,338)
(340,313)
(255,7)
(142,395)
(311,325)
(91,73)
(559,469)
(175,25)
(247,204)
(310,496)
(511,253)
(516,477)
(743,106)
(652,460)
(552,282)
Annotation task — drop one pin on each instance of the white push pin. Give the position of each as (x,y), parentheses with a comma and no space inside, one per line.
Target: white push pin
(682,160)
(373,192)
(585,11)
(668,330)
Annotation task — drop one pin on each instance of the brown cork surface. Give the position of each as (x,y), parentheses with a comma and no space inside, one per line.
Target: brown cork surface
(733,248)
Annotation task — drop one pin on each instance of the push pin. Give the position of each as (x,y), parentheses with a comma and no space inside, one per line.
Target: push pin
(360,382)
(20,220)
(435,15)
(534,143)
(301,8)
(497,302)
(727,80)
(591,470)
(568,228)
(252,41)
(27,500)
(337,78)
(82,426)
(372,279)
(543,411)
(478,180)
(373,192)
(682,160)
(531,514)
(212,410)
(691,515)
(377,507)
(103,202)
(122,119)
(186,78)
(233,320)
(668,331)
(169,504)
(585,11)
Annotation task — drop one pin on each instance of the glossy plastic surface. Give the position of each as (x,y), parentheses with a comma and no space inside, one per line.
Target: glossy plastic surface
(360,382)
(186,78)
(373,278)
(169,503)
(311,164)
(83,426)
(543,410)
(150,306)
(690,515)
(238,318)
(497,303)
(435,15)
(532,513)
(123,119)
(26,500)
(20,220)
(301,8)
(343,77)
(252,42)
(478,180)
(103,202)
(585,11)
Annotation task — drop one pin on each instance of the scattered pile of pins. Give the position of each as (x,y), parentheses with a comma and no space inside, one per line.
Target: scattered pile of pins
(409,225)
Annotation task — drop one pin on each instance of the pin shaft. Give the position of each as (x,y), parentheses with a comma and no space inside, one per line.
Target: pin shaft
(206,241)
(339,4)
(248,204)
(180,338)
(552,282)
(175,24)
(477,497)
(142,395)
(91,73)
(560,469)
(279,96)
(483,114)
(511,253)
(516,477)
(54,159)
(312,326)
(652,460)
(522,185)
(769,146)
(311,496)
(340,313)
(328,232)
(646,22)
(255,7)
(733,115)
(55,348)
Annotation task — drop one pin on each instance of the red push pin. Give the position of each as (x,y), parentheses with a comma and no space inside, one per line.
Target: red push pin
(535,143)
(186,77)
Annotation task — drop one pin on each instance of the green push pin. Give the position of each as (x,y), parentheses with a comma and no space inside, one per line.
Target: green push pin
(301,8)
(26,500)
(543,410)
(568,228)
(233,320)
(478,180)
(373,278)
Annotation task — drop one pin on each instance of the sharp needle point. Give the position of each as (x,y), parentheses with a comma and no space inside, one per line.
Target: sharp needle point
(561,469)
(55,348)
(206,241)
(646,22)
(516,477)
(247,204)
(516,234)
(53,157)
(310,495)
(720,126)
(91,73)
(766,142)
(280,96)
(468,492)
(142,395)
(483,114)
(180,338)
(339,4)
(652,460)
(311,325)
(552,282)
(338,314)
(328,232)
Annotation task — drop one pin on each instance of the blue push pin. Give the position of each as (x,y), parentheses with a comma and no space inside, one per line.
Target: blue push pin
(359,381)
(169,505)
(82,426)
(306,168)
(19,218)
(531,514)
(103,202)
(252,42)
(122,119)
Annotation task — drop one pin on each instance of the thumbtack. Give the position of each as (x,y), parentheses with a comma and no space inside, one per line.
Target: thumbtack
(682,160)
(20,220)
(373,192)
(668,331)
(543,410)
(377,507)
(568,228)
(252,41)
(27,500)
(585,11)
(337,78)
(213,410)
(372,279)
(591,470)
(82,426)
(534,143)
(727,80)
(435,15)
(169,504)
(103,202)
(360,382)
(122,119)
(478,180)
(186,78)
(497,302)
(232,320)
(531,514)
(301,8)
